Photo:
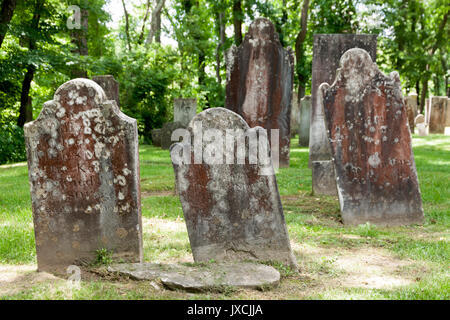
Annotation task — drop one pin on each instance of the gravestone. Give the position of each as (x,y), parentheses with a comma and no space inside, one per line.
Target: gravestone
(327,50)
(184,110)
(295,115)
(259,84)
(371,144)
(437,108)
(110,86)
(230,201)
(83,164)
(411,108)
(305,121)
(166,133)
(156,137)
(422,126)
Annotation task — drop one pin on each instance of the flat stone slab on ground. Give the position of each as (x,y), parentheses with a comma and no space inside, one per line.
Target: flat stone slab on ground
(205,277)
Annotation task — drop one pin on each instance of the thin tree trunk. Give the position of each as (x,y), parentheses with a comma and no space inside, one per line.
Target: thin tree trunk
(220,45)
(158,27)
(127,25)
(147,12)
(154,23)
(299,50)
(237,21)
(6,14)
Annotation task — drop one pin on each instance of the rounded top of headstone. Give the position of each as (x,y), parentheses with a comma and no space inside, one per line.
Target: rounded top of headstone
(219,118)
(262,28)
(72,88)
(419,119)
(356,58)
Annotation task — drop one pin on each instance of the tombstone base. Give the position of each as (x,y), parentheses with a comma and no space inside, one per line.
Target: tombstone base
(323,178)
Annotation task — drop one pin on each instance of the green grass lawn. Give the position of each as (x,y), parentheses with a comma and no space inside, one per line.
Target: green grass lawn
(336,262)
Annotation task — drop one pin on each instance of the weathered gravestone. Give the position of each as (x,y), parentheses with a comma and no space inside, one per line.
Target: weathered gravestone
(156,137)
(110,86)
(232,207)
(166,133)
(422,126)
(305,121)
(295,115)
(327,50)
(184,110)
(370,143)
(411,108)
(83,164)
(436,117)
(259,84)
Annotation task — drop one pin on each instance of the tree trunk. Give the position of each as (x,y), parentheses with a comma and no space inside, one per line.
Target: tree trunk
(423,94)
(154,23)
(147,12)
(238,16)
(158,27)
(127,25)
(299,50)
(220,18)
(6,14)
(79,38)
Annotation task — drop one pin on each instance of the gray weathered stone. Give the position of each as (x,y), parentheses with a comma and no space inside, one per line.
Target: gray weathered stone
(83,164)
(184,110)
(411,108)
(232,211)
(110,86)
(370,142)
(166,133)
(305,121)
(208,277)
(259,83)
(327,50)
(421,125)
(156,137)
(324,182)
(437,108)
(295,115)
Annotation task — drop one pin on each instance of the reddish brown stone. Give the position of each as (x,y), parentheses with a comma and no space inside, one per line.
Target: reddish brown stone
(110,86)
(327,50)
(259,83)
(370,142)
(83,163)
(232,209)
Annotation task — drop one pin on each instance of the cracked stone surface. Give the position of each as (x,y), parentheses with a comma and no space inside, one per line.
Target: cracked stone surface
(259,82)
(83,164)
(232,211)
(206,277)
(370,142)
(327,50)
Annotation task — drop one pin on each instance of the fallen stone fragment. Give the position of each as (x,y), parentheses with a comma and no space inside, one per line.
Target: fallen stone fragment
(203,277)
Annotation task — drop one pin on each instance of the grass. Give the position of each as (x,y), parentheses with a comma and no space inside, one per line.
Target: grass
(417,257)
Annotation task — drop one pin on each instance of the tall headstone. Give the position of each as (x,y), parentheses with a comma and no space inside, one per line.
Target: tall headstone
(110,86)
(166,133)
(411,108)
(370,143)
(184,110)
(83,164)
(437,108)
(231,203)
(421,125)
(295,115)
(327,50)
(305,121)
(259,83)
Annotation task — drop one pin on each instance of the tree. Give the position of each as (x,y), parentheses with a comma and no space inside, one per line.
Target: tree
(6,14)
(238,17)
(155,25)
(300,50)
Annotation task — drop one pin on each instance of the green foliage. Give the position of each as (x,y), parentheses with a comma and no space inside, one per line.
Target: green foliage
(12,143)
(103,257)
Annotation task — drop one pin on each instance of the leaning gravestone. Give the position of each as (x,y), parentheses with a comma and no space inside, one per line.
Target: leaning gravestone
(110,86)
(371,144)
(327,50)
(184,110)
(437,114)
(232,207)
(83,164)
(166,133)
(295,115)
(305,121)
(422,126)
(259,84)
(411,108)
